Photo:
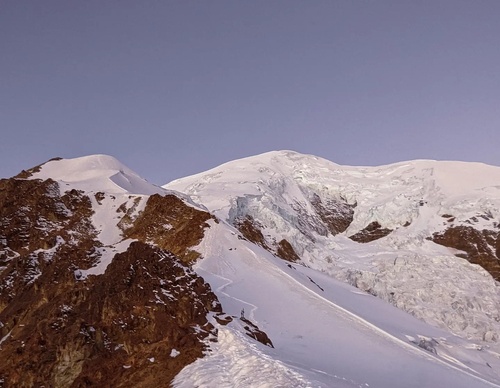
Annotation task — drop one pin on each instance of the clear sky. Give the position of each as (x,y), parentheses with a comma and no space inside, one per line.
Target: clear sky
(172,88)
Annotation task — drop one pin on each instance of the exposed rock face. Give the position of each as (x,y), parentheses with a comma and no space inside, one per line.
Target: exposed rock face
(286,251)
(250,229)
(481,246)
(117,329)
(35,222)
(336,215)
(138,324)
(33,212)
(372,232)
(170,223)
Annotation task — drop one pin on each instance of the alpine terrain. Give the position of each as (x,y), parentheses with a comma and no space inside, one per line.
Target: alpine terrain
(278,270)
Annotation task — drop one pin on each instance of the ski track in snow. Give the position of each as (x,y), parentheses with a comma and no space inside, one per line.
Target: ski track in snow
(229,283)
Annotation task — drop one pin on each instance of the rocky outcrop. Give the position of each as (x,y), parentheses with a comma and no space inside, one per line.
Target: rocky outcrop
(253,331)
(336,215)
(250,229)
(33,213)
(372,232)
(137,324)
(168,222)
(479,246)
(286,251)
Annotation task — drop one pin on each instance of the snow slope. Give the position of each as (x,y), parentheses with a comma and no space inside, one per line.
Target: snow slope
(415,192)
(410,198)
(96,173)
(325,333)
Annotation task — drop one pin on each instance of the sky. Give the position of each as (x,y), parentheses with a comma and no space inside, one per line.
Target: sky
(172,88)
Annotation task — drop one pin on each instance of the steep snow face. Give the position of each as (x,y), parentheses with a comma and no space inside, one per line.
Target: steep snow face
(96,173)
(291,196)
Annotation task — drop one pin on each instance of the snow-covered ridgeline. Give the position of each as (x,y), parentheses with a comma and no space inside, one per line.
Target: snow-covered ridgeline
(391,195)
(117,194)
(96,173)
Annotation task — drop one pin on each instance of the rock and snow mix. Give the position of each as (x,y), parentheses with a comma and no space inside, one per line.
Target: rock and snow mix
(367,227)
(409,199)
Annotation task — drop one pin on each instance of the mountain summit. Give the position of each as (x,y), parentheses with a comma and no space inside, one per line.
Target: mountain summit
(280,269)
(389,230)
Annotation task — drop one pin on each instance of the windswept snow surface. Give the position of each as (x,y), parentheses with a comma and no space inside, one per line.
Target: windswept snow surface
(325,333)
(410,198)
(98,173)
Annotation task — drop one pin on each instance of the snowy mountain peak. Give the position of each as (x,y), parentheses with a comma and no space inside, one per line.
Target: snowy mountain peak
(355,223)
(390,195)
(95,173)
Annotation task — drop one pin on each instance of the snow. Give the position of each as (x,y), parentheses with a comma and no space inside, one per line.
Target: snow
(236,362)
(5,337)
(389,194)
(96,173)
(174,353)
(409,197)
(335,336)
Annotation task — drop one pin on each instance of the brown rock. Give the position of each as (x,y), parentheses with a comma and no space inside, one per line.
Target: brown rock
(336,215)
(253,331)
(250,229)
(88,333)
(372,232)
(286,251)
(171,224)
(481,246)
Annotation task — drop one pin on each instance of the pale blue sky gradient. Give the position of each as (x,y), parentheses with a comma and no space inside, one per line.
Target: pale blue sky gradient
(172,88)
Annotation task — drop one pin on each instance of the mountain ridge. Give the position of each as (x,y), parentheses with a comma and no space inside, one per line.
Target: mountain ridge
(400,210)
(106,277)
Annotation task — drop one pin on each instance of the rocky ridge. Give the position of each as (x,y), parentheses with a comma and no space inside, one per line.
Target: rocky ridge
(96,287)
